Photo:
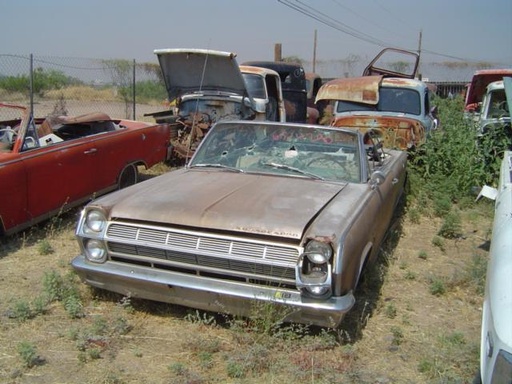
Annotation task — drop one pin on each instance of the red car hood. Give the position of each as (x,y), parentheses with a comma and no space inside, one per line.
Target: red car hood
(222,200)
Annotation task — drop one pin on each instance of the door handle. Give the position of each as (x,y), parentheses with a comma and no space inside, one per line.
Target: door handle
(394,181)
(92,150)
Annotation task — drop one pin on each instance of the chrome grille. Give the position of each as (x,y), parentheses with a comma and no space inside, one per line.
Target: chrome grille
(200,252)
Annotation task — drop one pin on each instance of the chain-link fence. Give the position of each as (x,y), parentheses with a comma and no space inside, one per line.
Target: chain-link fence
(131,90)
(75,86)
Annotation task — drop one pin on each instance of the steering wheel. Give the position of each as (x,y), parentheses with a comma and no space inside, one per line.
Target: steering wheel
(502,107)
(331,164)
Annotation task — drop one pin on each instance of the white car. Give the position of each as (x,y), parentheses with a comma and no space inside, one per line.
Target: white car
(496,340)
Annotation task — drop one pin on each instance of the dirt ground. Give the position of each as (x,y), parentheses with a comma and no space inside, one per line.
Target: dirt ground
(417,320)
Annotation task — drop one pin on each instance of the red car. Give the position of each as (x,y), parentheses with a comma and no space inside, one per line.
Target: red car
(51,165)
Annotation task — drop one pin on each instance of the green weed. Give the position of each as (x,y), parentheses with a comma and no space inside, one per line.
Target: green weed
(438,242)
(437,286)
(28,354)
(390,311)
(422,255)
(44,247)
(451,227)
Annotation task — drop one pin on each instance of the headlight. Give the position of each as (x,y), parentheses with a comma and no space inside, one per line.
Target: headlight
(318,252)
(95,251)
(95,221)
(314,270)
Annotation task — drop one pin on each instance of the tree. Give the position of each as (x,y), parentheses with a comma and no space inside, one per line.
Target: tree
(121,72)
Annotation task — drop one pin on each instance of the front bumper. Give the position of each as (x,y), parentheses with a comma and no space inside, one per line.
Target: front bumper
(209,294)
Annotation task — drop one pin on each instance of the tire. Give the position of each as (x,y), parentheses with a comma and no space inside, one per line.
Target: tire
(128,177)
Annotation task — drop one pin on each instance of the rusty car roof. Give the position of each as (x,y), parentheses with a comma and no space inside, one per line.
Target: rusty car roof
(257,70)
(363,89)
(480,80)
(360,89)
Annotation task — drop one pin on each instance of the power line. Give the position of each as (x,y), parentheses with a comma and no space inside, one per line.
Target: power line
(309,11)
(315,14)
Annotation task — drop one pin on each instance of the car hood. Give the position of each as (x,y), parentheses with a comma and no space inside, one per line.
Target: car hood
(199,70)
(225,201)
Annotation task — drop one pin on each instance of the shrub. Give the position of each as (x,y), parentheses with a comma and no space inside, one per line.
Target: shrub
(455,159)
(28,354)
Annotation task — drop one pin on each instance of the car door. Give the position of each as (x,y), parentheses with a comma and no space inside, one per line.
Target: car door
(13,191)
(59,174)
(386,194)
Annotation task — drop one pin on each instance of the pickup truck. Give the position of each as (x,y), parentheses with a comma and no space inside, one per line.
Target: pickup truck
(388,104)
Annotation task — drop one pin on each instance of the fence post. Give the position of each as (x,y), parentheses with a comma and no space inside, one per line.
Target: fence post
(133,90)
(31,84)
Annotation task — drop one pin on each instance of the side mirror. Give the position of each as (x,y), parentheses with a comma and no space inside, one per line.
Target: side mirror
(376,179)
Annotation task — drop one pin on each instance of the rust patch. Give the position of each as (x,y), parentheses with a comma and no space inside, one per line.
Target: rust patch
(356,89)
(399,133)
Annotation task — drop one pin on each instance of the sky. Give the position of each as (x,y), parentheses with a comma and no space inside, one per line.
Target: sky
(450,30)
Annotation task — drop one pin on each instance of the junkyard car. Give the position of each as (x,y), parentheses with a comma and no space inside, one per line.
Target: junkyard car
(264,212)
(50,165)
(496,339)
(494,109)
(384,103)
(295,92)
(477,88)
(206,86)
(395,110)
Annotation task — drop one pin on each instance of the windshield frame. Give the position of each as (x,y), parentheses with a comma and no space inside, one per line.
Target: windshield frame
(292,150)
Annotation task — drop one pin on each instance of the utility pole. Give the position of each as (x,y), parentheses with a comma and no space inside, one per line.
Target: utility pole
(419,51)
(278,52)
(314,54)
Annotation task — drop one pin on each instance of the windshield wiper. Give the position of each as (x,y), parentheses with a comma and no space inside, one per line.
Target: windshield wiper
(217,165)
(293,169)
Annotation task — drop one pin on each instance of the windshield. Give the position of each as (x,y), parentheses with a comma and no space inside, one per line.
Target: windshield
(498,106)
(255,86)
(282,149)
(399,100)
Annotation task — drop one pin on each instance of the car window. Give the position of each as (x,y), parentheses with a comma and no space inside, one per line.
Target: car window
(30,141)
(294,151)
(399,100)
(498,106)
(255,85)
(349,106)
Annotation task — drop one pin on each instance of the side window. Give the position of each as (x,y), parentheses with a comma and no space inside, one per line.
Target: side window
(427,102)
(31,141)
(272,107)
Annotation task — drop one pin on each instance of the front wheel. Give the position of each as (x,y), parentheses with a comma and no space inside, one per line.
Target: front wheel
(128,177)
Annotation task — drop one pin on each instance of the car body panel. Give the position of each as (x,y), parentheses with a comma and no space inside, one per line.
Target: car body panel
(48,176)
(393,62)
(263,196)
(358,89)
(199,70)
(496,332)
(231,228)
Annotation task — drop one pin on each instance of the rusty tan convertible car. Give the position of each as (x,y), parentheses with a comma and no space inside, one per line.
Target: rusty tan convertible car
(265,212)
